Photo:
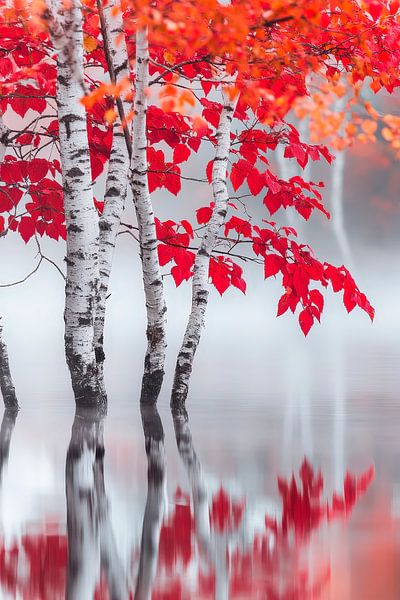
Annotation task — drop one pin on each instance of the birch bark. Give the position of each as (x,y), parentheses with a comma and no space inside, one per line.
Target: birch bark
(184,363)
(118,167)
(3,138)
(6,382)
(80,213)
(153,285)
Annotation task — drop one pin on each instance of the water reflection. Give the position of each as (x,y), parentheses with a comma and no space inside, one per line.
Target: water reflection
(268,562)
(156,501)
(92,547)
(210,543)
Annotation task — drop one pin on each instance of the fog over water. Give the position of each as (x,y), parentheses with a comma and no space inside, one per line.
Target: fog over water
(261,398)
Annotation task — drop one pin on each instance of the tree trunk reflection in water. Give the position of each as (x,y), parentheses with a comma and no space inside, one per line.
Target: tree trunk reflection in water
(91,542)
(213,546)
(155,502)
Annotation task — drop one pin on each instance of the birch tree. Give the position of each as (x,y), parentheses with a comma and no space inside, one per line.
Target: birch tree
(184,363)
(6,382)
(81,218)
(153,285)
(90,243)
(118,167)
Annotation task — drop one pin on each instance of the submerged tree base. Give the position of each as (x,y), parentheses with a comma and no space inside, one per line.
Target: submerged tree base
(87,384)
(151,387)
(180,388)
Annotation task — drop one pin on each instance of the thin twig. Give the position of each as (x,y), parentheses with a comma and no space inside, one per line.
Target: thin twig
(5,285)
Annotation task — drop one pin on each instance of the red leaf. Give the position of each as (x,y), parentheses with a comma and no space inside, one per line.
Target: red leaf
(181,153)
(301,280)
(194,143)
(219,274)
(375,9)
(180,274)
(9,197)
(349,300)
(26,228)
(173,183)
(25,139)
(6,66)
(96,165)
(239,225)
(2,224)
(37,169)
(212,116)
(306,321)
(12,170)
(296,151)
(256,181)
(22,105)
(203,214)
(187,227)
(165,254)
(239,283)
(272,201)
(317,298)
(283,304)
(272,265)
(209,170)
(272,182)
(40,227)
(240,171)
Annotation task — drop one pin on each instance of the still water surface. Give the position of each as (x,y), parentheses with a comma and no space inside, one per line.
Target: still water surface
(208,517)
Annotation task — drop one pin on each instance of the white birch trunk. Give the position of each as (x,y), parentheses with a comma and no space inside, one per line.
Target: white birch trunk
(80,213)
(153,285)
(6,382)
(118,168)
(3,138)
(155,501)
(184,363)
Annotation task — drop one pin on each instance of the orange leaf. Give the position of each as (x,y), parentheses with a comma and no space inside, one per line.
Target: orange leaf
(110,115)
(89,43)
